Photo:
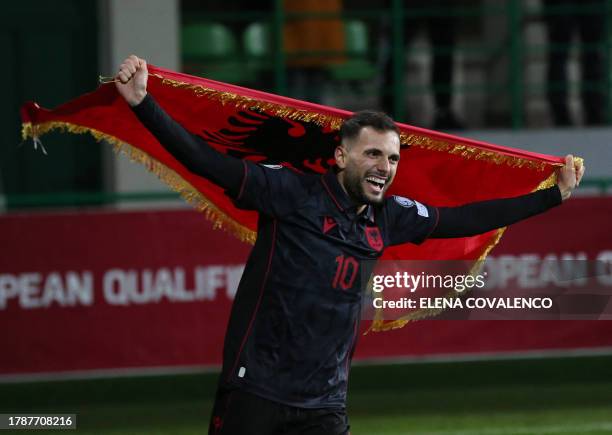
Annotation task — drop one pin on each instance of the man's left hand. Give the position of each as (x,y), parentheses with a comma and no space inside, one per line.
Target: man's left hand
(569,176)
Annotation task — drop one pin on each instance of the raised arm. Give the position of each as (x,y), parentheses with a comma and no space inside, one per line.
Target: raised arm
(190,150)
(480,217)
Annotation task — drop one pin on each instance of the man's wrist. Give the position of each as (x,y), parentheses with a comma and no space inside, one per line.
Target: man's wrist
(565,192)
(138,98)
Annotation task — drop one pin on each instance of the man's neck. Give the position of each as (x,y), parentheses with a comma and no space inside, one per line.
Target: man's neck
(360,207)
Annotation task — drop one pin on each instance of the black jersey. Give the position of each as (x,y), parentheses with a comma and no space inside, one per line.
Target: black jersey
(294,321)
(293,325)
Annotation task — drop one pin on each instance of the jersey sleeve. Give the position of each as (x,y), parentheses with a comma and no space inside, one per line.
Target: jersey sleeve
(480,217)
(270,189)
(193,152)
(408,221)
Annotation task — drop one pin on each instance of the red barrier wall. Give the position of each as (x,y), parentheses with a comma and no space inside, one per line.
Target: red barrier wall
(108,290)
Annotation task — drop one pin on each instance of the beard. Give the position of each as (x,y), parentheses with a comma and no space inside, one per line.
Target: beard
(353,183)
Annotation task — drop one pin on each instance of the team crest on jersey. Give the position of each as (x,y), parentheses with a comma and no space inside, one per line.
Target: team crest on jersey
(374,238)
(273,166)
(404,202)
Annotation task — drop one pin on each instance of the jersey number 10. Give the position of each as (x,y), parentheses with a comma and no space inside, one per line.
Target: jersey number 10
(346,272)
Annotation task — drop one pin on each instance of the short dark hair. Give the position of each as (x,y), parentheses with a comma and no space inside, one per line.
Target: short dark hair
(366,118)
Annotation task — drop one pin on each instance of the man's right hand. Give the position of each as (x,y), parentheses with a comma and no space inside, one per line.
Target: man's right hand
(132,80)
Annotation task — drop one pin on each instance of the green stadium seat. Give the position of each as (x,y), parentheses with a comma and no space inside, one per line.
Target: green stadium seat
(257,43)
(256,40)
(210,50)
(357,43)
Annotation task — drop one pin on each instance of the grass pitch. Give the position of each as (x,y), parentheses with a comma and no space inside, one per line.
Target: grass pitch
(512,397)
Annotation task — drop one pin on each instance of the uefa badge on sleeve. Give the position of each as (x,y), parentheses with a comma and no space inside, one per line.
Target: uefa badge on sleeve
(404,202)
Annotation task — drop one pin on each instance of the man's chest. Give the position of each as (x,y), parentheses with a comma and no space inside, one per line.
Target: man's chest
(320,247)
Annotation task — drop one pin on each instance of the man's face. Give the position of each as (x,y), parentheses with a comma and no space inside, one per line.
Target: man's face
(368,164)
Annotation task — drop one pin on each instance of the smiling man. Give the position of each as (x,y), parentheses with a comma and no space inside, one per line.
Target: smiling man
(293,326)
(368,156)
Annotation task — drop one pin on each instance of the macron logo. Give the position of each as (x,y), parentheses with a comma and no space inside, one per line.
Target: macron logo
(328,224)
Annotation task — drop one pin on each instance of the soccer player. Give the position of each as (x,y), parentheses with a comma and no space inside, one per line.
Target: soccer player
(293,325)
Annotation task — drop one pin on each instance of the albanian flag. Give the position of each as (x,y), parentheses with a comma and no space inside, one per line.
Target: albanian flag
(436,168)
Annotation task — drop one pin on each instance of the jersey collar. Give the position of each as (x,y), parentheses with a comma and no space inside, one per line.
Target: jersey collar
(341,198)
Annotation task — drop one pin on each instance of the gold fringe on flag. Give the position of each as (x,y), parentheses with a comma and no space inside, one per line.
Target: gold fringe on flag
(168,176)
(335,122)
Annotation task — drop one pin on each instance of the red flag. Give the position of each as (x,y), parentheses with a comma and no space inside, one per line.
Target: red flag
(436,168)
